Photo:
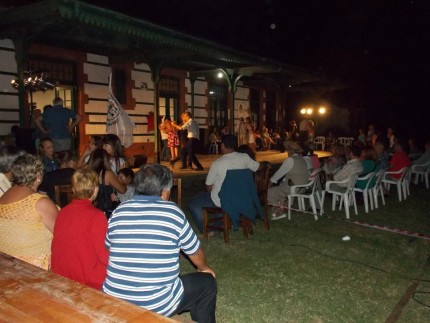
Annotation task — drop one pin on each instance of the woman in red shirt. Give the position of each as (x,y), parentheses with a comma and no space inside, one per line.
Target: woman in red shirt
(400,159)
(78,250)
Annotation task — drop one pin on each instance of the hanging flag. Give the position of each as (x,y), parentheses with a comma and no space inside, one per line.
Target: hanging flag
(118,122)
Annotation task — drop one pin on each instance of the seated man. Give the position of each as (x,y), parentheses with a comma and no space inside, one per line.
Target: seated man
(353,167)
(425,157)
(293,171)
(144,238)
(217,172)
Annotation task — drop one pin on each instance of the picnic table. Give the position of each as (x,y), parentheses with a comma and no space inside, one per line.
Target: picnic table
(31,294)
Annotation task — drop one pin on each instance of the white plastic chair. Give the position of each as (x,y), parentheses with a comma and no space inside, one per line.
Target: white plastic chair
(319,141)
(346,194)
(213,148)
(344,141)
(378,190)
(302,192)
(367,190)
(420,172)
(401,182)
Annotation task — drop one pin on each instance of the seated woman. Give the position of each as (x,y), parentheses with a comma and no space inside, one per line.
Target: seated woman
(109,183)
(27,218)
(47,152)
(369,161)
(336,161)
(78,250)
(8,154)
(95,142)
(60,176)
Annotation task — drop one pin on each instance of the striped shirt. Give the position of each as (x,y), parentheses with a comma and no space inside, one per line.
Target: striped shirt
(144,238)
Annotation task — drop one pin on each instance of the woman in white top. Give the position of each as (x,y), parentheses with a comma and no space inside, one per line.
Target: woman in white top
(250,128)
(112,145)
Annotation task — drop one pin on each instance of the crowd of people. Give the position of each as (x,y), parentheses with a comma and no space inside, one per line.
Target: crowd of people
(122,234)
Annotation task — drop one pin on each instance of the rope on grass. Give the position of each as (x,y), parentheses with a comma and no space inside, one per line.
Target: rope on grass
(385,228)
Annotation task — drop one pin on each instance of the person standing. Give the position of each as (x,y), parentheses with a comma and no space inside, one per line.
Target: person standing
(59,122)
(241,132)
(189,124)
(143,267)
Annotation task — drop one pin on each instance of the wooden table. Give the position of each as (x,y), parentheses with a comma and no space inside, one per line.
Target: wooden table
(31,294)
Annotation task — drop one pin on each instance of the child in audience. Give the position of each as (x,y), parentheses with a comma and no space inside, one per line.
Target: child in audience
(112,145)
(46,151)
(126,176)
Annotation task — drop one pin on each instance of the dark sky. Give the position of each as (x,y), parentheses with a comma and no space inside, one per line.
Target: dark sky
(378,47)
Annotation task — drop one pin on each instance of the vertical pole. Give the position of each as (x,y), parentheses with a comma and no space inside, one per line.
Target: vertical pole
(156,66)
(192,80)
(20,58)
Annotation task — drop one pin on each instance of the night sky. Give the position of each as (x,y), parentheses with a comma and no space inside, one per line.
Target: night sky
(378,48)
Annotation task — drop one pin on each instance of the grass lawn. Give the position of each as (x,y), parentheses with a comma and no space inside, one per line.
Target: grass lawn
(302,271)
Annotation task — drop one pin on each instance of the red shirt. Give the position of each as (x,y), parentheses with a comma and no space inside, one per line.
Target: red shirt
(398,161)
(78,249)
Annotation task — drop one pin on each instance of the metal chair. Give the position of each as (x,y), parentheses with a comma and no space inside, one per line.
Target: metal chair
(367,190)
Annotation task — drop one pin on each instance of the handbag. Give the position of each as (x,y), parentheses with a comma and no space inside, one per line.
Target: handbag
(108,208)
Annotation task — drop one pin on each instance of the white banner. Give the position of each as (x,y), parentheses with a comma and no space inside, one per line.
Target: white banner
(118,122)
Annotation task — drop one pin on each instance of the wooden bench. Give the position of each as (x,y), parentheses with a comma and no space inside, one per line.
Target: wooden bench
(31,294)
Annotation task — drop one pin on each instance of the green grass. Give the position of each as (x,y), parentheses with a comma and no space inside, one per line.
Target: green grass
(302,271)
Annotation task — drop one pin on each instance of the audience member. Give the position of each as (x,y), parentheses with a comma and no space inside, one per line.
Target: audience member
(293,171)
(369,162)
(361,136)
(61,176)
(245,149)
(370,134)
(78,250)
(391,139)
(352,168)
(47,152)
(382,155)
(138,272)
(109,183)
(216,175)
(336,161)
(414,151)
(424,157)
(126,176)
(112,145)
(27,218)
(95,142)
(400,158)
(8,154)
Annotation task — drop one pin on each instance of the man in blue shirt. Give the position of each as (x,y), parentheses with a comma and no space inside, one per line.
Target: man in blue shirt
(144,238)
(59,122)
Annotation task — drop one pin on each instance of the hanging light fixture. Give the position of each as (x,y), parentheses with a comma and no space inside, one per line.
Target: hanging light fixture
(34,81)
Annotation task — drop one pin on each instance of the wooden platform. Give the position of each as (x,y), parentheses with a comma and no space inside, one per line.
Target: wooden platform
(31,294)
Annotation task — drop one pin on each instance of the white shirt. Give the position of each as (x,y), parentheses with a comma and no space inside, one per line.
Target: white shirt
(4,184)
(219,168)
(192,128)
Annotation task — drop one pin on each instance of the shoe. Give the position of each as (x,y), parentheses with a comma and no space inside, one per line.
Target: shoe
(172,164)
(199,169)
(275,216)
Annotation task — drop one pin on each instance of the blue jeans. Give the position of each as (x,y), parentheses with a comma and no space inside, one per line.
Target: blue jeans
(196,205)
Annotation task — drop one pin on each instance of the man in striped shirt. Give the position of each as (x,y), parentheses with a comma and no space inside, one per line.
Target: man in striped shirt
(144,238)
